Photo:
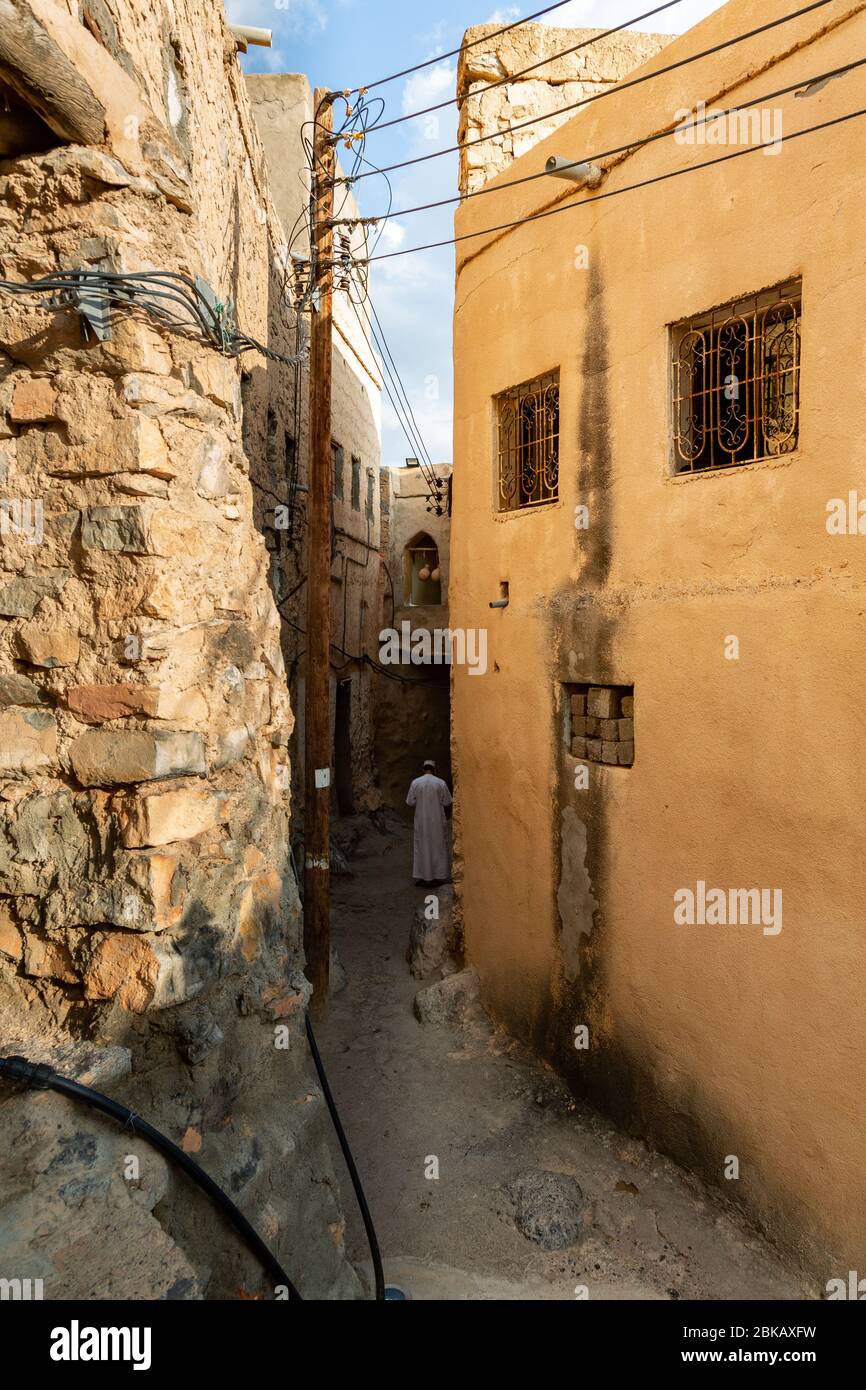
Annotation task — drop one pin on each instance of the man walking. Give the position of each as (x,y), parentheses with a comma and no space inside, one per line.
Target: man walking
(430,797)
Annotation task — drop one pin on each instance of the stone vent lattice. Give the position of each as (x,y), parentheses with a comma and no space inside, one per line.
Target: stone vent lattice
(602,723)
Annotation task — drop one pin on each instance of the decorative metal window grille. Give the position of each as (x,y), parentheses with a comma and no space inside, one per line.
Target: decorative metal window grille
(528,444)
(736,382)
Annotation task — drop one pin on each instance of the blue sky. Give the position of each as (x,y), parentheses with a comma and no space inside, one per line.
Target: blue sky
(346,43)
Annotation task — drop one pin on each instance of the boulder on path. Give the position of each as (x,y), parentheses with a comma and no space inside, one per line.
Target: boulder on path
(430,937)
(448,1001)
(549,1208)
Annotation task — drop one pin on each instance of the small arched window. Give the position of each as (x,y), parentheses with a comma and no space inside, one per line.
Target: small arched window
(422,581)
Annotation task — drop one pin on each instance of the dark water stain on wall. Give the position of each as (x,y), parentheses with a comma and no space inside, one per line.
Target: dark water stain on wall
(593,433)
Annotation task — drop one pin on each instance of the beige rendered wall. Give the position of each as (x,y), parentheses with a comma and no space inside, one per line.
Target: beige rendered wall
(710,1041)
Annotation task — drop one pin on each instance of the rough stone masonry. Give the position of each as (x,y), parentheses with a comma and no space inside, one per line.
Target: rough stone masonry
(149,925)
(533,79)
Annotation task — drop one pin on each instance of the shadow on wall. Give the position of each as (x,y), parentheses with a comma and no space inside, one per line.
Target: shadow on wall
(413,719)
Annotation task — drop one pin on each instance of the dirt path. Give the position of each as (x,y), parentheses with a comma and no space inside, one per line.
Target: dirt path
(478,1103)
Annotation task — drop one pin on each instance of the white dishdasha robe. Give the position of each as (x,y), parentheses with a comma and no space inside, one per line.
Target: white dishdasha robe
(429,795)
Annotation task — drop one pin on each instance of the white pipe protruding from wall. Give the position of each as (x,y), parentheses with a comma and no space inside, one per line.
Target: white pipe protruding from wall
(575,171)
(244,34)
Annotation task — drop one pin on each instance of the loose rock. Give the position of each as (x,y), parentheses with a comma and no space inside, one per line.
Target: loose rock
(449,1001)
(549,1208)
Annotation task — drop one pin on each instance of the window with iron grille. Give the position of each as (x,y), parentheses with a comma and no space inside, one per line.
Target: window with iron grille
(736,382)
(527,427)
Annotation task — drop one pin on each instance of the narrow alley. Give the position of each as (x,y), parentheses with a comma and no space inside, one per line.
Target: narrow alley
(478,1103)
(432,566)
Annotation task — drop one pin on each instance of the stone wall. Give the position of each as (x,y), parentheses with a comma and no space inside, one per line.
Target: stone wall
(149,920)
(560,82)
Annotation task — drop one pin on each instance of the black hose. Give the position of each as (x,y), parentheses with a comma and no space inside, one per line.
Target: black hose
(44,1077)
(372,1241)
(378,1272)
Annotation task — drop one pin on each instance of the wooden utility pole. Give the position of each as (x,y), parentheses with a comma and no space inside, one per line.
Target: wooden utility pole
(317,705)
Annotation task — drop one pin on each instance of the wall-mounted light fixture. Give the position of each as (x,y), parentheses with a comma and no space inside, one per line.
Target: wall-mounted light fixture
(244,34)
(575,171)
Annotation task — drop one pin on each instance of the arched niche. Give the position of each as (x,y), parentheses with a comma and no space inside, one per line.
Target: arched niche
(422,582)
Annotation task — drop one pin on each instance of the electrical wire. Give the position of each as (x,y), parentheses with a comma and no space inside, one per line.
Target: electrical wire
(152,292)
(414,440)
(532,67)
(402,406)
(712,115)
(440,57)
(43,1077)
(98,285)
(374,169)
(435,485)
(361,117)
(378,1273)
(358,293)
(615,192)
(384,342)
(616,89)
(353,131)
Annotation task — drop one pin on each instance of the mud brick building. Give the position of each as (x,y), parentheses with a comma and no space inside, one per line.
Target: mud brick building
(659,404)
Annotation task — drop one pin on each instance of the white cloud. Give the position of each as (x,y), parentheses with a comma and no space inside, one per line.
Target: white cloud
(504,16)
(595,14)
(287,18)
(413,292)
(432,39)
(416,269)
(432,421)
(426,88)
(578,14)
(412,295)
(393,236)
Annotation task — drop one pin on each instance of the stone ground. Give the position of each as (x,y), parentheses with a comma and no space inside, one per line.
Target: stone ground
(489,1112)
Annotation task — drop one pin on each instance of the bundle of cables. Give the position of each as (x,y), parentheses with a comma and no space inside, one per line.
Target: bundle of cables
(174,300)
